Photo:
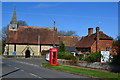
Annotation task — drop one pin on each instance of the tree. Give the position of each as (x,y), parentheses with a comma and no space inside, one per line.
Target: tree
(68,33)
(61,47)
(116,45)
(115,65)
(0,42)
(22,23)
(4,36)
(116,58)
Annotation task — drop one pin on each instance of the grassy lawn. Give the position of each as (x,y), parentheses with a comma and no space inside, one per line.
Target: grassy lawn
(82,71)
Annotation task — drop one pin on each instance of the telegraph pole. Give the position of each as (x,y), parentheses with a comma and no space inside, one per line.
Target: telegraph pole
(54,34)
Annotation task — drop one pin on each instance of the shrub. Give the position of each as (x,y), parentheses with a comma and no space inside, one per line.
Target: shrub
(67,56)
(93,57)
(72,58)
(87,58)
(81,58)
(61,47)
(61,55)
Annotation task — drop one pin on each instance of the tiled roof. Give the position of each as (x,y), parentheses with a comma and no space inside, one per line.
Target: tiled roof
(29,35)
(69,41)
(87,41)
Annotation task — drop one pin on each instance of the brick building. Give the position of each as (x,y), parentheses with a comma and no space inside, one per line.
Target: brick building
(94,42)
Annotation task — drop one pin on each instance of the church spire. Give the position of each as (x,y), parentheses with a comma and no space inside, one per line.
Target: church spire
(14,18)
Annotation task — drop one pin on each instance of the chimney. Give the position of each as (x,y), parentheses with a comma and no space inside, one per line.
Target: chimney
(90,31)
(83,37)
(97,39)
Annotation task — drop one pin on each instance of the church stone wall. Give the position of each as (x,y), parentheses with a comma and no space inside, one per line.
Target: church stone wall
(11,49)
(45,47)
(35,49)
(21,49)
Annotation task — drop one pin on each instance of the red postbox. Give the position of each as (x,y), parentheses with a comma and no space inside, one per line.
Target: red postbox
(53,56)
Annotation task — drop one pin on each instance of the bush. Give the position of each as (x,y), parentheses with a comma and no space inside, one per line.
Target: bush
(67,56)
(81,57)
(72,58)
(93,57)
(61,55)
(87,58)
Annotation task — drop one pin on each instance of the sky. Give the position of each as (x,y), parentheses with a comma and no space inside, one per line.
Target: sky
(75,16)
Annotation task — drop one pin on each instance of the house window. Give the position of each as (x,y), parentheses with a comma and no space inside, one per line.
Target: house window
(107,48)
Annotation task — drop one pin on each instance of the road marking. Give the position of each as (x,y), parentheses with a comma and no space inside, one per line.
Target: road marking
(35,75)
(16,67)
(28,64)
(21,70)
(9,65)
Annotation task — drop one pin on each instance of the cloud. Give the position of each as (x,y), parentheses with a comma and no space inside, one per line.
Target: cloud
(46,5)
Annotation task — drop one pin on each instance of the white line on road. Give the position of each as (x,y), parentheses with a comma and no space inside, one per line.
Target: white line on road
(35,75)
(28,63)
(16,67)
(9,65)
(21,70)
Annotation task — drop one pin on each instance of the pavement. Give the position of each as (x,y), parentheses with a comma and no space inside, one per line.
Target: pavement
(31,68)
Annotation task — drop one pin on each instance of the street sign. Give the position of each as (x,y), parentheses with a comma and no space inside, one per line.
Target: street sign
(105,56)
(14,53)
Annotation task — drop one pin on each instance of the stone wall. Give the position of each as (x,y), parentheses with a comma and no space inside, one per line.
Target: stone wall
(95,65)
(11,49)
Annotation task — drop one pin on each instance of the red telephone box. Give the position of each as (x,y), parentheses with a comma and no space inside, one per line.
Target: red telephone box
(53,56)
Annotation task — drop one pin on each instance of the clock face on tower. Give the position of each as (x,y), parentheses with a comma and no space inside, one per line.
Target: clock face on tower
(13,26)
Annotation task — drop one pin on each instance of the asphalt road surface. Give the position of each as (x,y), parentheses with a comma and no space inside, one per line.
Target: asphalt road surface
(31,68)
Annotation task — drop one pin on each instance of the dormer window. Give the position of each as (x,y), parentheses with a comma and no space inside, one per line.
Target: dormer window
(13,27)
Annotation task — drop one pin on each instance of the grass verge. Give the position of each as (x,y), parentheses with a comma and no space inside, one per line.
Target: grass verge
(82,71)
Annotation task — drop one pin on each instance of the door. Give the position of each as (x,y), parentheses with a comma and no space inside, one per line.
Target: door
(27,54)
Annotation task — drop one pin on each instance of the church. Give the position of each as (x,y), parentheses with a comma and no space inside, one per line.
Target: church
(30,41)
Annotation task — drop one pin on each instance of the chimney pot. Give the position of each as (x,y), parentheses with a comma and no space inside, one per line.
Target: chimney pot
(97,29)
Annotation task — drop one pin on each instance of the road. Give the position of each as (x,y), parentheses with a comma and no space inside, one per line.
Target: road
(31,68)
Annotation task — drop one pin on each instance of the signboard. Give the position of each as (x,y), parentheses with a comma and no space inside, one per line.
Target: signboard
(105,56)
(14,53)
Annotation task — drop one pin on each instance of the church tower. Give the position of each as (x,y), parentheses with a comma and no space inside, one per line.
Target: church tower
(13,23)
